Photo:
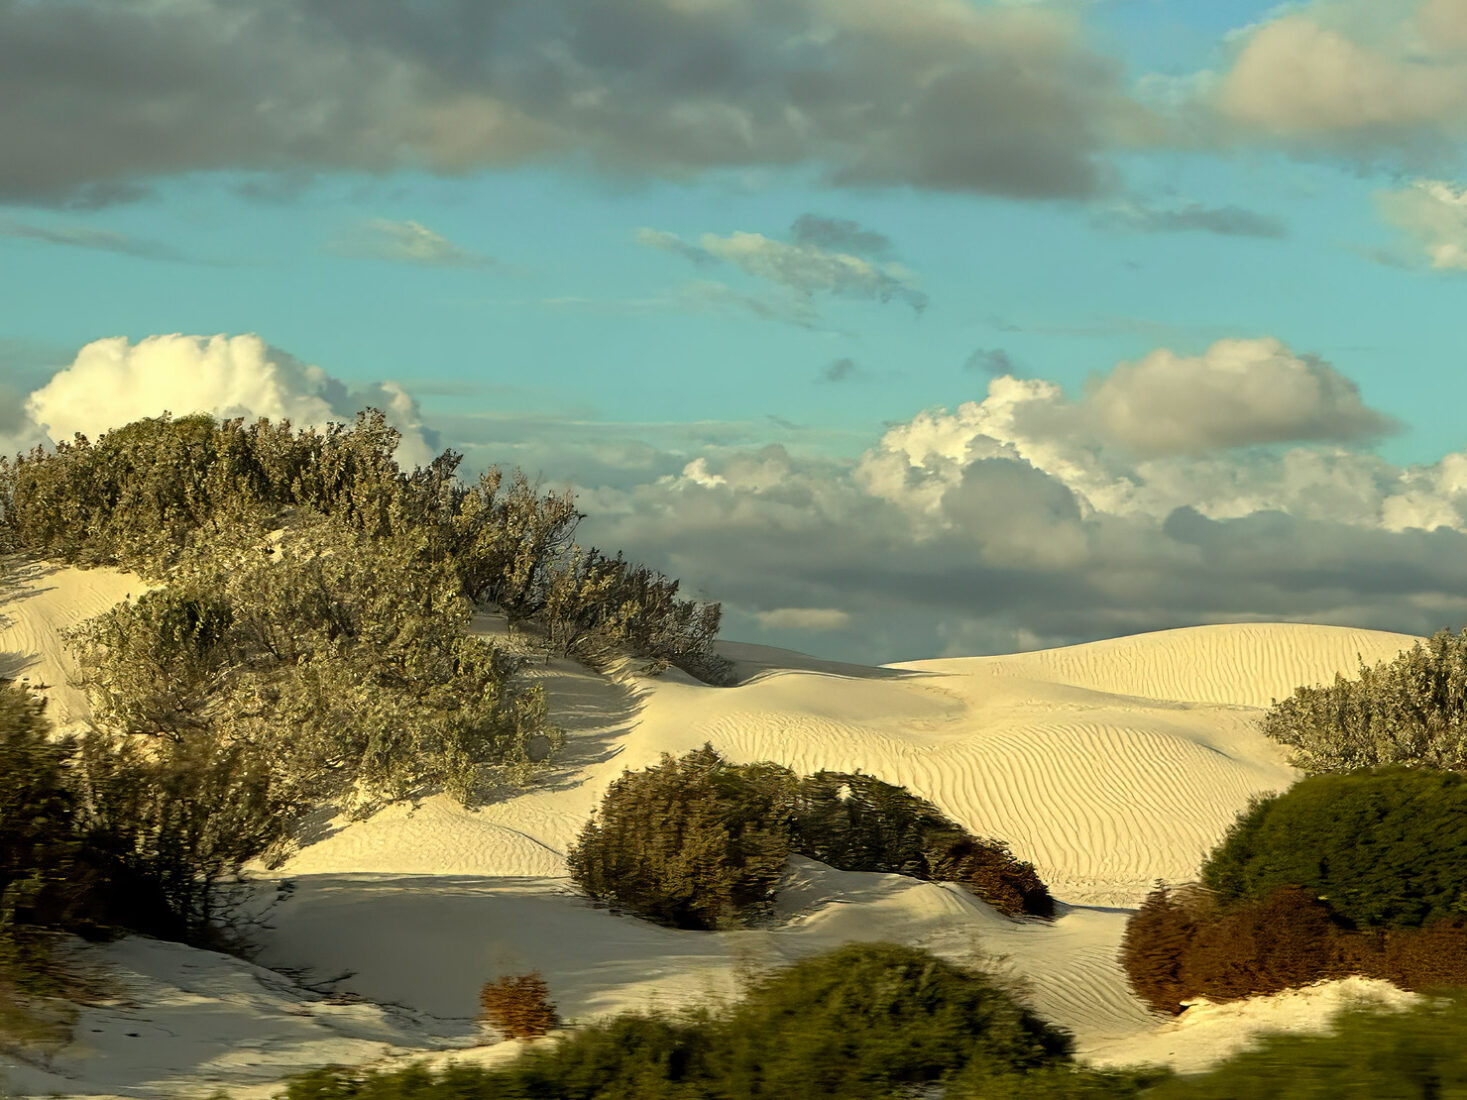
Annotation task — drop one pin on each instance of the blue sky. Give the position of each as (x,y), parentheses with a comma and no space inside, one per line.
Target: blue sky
(733,267)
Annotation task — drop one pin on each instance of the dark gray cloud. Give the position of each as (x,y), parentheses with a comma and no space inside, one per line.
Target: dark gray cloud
(991,361)
(840,370)
(1225,221)
(102,96)
(841,235)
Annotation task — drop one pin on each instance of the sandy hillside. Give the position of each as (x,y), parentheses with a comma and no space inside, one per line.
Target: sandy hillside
(1108,765)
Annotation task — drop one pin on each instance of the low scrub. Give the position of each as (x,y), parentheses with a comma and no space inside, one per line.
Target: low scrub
(1369,1053)
(855,822)
(697,842)
(865,1022)
(518,1005)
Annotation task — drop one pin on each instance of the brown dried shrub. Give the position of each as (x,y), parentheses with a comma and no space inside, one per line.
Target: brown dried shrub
(1426,958)
(1182,944)
(988,870)
(518,1005)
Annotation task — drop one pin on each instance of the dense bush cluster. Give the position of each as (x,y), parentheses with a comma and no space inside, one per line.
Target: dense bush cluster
(1386,848)
(865,1022)
(1362,873)
(150,495)
(856,822)
(1410,710)
(697,842)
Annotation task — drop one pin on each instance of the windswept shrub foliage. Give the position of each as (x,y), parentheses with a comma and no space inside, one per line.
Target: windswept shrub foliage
(691,843)
(865,1022)
(344,665)
(157,492)
(1411,710)
(1387,849)
(696,842)
(1362,874)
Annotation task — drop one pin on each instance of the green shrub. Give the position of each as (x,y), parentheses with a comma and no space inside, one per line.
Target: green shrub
(866,1019)
(157,492)
(1385,849)
(1410,710)
(691,843)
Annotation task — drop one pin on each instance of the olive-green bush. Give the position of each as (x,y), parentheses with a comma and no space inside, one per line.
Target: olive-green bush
(697,842)
(856,822)
(1409,710)
(692,842)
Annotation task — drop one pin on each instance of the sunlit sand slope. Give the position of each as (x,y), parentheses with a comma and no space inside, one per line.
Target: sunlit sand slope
(38,605)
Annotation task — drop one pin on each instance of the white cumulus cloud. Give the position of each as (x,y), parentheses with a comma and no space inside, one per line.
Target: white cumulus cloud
(1432,214)
(113,382)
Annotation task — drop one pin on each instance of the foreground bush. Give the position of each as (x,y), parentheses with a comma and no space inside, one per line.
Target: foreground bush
(1410,710)
(697,842)
(1369,1054)
(1387,849)
(866,1022)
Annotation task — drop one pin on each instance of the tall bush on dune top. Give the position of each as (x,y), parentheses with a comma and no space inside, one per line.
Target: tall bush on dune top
(1410,710)
(154,494)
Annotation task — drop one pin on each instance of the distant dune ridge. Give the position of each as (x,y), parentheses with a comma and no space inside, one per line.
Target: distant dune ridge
(1108,765)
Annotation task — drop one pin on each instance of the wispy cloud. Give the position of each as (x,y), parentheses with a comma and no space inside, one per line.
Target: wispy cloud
(800,270)
(80,236)
(404,242)
(1225,221)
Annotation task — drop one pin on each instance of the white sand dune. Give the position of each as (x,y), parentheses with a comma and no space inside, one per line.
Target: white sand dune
(38,606)
(1108,765)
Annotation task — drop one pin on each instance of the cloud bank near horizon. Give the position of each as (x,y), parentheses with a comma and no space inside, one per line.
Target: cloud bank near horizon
(1029,517)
